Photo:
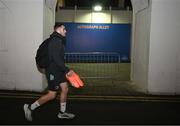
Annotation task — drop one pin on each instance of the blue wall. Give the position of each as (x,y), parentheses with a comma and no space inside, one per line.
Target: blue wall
(89,37)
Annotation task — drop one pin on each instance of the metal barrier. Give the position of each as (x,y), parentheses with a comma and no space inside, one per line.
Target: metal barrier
(93,57)
(96,65)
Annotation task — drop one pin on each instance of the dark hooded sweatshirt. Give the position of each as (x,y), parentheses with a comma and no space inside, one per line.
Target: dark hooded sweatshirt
(56,53)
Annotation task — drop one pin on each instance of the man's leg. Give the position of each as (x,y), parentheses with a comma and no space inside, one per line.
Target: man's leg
(63,99)
(47,97)
(63,96)
(42,100)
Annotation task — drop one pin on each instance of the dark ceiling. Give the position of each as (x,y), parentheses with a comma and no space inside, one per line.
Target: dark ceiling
(90,3)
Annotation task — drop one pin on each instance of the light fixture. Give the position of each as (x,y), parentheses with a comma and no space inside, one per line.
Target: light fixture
(97,8)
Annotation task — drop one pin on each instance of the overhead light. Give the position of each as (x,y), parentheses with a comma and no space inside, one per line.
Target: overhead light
(97,8)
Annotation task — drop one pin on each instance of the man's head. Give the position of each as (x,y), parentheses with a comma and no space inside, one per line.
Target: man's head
(60,28)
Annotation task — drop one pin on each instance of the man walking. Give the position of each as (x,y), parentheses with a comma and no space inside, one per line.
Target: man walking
(55,74)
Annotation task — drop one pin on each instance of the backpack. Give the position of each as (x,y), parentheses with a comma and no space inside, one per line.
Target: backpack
(42,55)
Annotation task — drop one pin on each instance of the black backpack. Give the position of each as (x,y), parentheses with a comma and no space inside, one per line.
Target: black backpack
(42,55)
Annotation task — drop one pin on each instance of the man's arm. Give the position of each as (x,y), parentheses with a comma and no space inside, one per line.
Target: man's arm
(57,50)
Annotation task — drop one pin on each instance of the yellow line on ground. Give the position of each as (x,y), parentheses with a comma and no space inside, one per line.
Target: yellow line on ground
(31,94)
(129,97)
(98,98)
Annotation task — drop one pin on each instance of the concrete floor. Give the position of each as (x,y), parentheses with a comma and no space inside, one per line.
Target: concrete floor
(119,111)
(107,88)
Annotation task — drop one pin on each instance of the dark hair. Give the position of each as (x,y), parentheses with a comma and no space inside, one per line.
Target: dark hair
(57,25)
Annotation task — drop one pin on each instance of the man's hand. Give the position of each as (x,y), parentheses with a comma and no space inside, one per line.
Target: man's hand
(74,79)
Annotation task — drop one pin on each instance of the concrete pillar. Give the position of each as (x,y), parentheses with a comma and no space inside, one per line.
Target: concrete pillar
(163,76)
(155,46)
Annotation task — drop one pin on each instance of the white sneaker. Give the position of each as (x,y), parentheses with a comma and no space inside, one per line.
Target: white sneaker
(65,115)
(27,112)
